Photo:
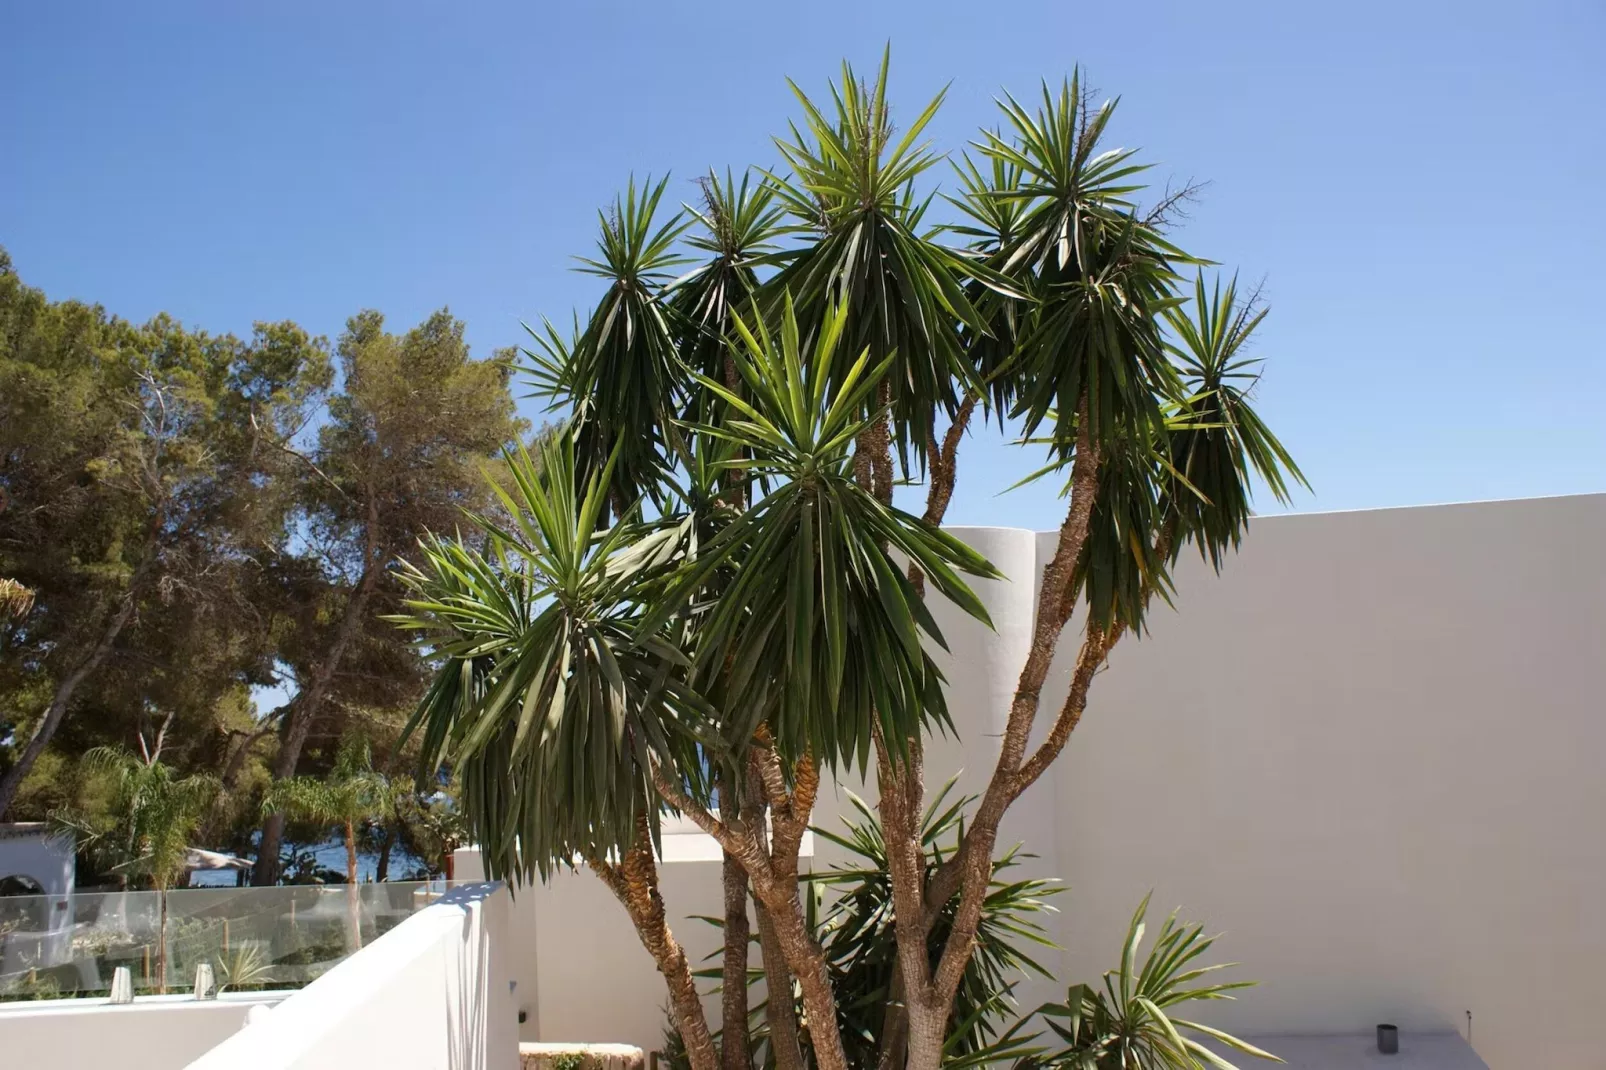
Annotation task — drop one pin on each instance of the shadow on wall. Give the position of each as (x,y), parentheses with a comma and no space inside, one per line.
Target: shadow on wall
(469,1000)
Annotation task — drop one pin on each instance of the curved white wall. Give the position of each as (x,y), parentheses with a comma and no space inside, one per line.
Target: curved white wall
(431,994)
(1371,752)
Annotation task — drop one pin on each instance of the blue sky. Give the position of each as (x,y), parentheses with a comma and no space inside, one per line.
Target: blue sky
(1417,184)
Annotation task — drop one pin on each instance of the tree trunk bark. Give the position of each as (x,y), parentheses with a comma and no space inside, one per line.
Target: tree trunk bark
(56,712)
(901,785)
(806,959)
(231,773)
(928,1027)
(304,712)
(161,941)
(386,845)
(775,884)
(894,1051)
(735,1051)
(634,882)
(780,1010)
(353,890)
(970,869)
(779,892)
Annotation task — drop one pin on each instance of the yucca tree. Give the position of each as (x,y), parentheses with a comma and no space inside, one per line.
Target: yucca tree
(707,600)
(353,793)
(871,253)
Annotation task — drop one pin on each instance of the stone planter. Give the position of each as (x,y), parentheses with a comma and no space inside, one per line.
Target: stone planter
(581,1057)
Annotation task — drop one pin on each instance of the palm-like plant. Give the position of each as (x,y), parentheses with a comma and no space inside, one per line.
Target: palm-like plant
(853,917)
(353,793)
(1218,441)
(1188,480)
(821,626)
(739,225)
(554,708)
(1102,274)
(858,932)
(622,374)
(159,815)
(708,583)
(904,293)
(1131,1023)
(243,967)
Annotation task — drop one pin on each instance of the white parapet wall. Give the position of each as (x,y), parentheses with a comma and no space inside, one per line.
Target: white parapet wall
(152,1033)
(434,993)
(1372,752)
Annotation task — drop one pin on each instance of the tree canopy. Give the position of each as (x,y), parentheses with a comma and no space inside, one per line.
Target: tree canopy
(190,522)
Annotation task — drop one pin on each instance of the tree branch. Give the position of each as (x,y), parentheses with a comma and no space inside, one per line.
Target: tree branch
(298,455)
(730,840)
(970,869)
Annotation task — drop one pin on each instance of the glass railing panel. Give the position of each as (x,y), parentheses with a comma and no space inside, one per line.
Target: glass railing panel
(253,938)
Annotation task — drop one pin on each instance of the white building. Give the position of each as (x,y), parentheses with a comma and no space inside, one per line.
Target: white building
(1370,753)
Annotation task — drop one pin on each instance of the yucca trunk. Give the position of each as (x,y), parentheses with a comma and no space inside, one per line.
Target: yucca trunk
(780,1012)
(735,1051)
(634,882)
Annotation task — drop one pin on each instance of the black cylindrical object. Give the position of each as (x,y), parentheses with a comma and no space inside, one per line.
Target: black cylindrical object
(1388,1039)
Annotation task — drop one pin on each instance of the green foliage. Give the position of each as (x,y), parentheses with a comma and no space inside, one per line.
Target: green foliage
(842,648)
(227,491)
(1131,1023)
(552,708)
(32,985)
(623,376)
(1217,441)
(857,932)
(243,968)
(351,794)
(136,495)
(903,294)
(1101,274)
(158,816)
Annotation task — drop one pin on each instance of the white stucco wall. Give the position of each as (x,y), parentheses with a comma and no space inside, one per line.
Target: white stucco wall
(1371,752)
(1374,753)
(31,850)
(431,994)
(579,971)
(152,1033)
